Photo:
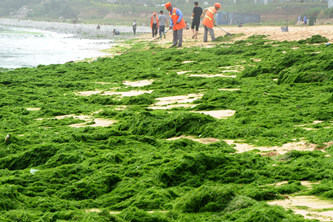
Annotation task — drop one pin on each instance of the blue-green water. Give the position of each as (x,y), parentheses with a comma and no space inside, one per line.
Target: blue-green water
(26,47)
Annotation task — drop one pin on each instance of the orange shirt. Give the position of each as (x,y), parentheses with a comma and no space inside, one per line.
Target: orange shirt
(174,18)
(152,21)
(209,17)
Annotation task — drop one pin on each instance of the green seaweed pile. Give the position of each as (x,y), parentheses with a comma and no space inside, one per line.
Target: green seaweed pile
(50,171)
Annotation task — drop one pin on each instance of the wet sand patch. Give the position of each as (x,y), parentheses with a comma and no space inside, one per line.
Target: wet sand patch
(139,83)
(218,114)
(177,99)
(207,140)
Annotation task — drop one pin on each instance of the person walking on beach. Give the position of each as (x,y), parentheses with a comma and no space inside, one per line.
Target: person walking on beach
(208,21)
(154,24)
(116,32)
(196,15)
(162,20)
(134,27)
(177,24)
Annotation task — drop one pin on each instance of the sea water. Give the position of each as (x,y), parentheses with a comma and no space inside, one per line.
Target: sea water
(27,47)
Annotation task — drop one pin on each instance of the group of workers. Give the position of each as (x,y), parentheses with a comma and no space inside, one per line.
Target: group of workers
(177,23)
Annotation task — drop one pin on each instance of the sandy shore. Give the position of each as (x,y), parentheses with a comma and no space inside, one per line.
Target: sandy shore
(273,32)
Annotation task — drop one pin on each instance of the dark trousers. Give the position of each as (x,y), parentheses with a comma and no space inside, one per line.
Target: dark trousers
(154,29)
(162,30)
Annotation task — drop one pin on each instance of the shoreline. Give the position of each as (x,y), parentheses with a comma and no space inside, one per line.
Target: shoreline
(79,30)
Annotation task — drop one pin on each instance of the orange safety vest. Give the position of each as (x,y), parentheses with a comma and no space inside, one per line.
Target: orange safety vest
(152,21)
(174,18)
(209,17)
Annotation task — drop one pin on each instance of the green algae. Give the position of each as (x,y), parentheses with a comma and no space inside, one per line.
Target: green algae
(130,167)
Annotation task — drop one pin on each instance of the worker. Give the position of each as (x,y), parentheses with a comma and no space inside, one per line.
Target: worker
(162,23)
(208,21)
(154,24)
(177,24)
(196,14)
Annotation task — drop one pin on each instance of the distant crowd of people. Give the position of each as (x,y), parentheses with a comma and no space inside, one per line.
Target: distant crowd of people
(177,23)
(307,20)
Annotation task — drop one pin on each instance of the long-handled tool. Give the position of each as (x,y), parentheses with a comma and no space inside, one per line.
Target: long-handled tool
(224,30)
(157,37)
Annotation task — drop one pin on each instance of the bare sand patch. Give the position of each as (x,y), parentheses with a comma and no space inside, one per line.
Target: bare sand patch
(120,108)
(184,105)
(177,99)
(307,184)
(139,83)
(272,32)
(315,207)
(230,70)
(89,93)
(231,90)
(313,123)
(33,109)
(185,62)
(212,75)
(103,83)
(94,210)
(207,140)
(218,114)
(182,72)
(300,146)
(126,94)
(95,122)
(232,67)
